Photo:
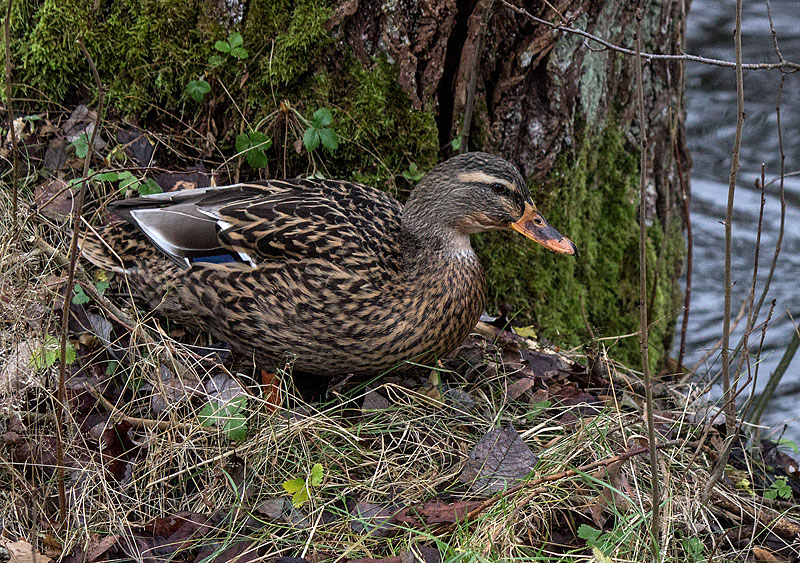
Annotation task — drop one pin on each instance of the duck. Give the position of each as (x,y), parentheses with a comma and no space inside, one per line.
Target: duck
(335,275)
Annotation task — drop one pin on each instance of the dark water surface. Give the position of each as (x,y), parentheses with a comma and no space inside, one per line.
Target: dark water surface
(711,125)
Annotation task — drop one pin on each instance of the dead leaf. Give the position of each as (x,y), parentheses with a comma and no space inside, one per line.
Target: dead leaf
(22,552)
(374,401)
(373,519)
(499,458)
(520,386)
(98,546)
(762,555)
(436,512)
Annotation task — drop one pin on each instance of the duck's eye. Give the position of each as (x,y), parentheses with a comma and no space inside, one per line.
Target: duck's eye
(498,188)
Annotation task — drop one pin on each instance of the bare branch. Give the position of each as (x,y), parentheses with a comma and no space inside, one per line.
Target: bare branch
(783,65)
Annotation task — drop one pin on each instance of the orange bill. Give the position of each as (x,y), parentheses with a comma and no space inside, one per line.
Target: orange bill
(536,227)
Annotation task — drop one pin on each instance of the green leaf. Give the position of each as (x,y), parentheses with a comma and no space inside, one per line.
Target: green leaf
(149,187)
(112,366)
(329,139)
(322,118)
(588,533)
(222,46)
(260,140)
(316,475)
(311,139)
(294,485)
(456,143)
(239,53)
(197,89)
(107,177)
(229,417)
(242,142)
(81,145)
(79,297)
(790,443)
(50,351)
(256,158)
(235,40)
(216,60)
(413,174)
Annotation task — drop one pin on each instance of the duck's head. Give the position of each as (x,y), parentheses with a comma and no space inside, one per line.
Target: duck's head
(476,192)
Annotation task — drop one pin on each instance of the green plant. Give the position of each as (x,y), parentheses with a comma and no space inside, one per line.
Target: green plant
(197,89)
(253,145)
(300,488)
(129,183)
(413,174)
(230,417)
(694,549)
(232,46)
(81,145)
(50,351)
(456,143)
(779,488)
(320,131)
(79,296)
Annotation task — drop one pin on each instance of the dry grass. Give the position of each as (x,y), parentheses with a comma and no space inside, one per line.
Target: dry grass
(409,450)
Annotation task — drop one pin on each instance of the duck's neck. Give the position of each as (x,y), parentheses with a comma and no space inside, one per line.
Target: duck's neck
(428,233)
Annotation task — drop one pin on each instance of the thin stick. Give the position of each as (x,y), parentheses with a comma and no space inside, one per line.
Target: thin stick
(655,522)
(73,258)
(784,65)
(10,112)
(687,220)
(729,391)
(473,75)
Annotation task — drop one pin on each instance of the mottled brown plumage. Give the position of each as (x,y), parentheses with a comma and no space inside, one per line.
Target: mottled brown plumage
(337,274)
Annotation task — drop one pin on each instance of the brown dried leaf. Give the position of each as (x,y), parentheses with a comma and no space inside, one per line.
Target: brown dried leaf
(22,552)
(499,458)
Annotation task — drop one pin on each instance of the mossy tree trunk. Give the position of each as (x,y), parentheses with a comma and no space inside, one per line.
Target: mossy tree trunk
(396,75)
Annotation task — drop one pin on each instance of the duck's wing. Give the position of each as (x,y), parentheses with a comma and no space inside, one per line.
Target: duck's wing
(347,223)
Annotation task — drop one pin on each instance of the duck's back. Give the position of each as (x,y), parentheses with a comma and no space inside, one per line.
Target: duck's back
(309,268)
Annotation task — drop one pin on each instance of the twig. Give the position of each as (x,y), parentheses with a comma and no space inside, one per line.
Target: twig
(146,423)
(10,112)
(687,220)
(774,33)
(775,378)
(73,257)
(655,523)
(730,391)
(473,74)
(783,65)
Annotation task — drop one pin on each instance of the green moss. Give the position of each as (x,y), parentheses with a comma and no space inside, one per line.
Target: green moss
(590,197)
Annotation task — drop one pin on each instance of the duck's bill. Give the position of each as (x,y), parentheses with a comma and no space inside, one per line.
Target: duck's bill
(535,227)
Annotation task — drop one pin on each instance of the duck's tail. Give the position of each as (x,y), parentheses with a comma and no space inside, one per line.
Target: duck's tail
(106,245)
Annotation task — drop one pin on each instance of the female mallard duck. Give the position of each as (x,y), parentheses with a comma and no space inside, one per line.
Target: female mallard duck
(335,273)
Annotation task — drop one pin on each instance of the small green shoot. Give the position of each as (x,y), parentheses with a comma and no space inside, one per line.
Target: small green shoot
(233,46)
(81,145)
(606,542)
(300,488)
(779,488)
(197,89)
(456,143)
(320,131)
(413,174)
(50,352)
(111,367)
(536,409)
(254,145)
(230,417)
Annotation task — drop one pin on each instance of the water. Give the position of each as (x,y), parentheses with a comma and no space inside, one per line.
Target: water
(711,125)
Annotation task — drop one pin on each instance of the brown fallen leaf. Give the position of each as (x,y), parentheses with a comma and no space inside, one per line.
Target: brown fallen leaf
(498,458)
(762,555)
(21,551)
(98,546)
